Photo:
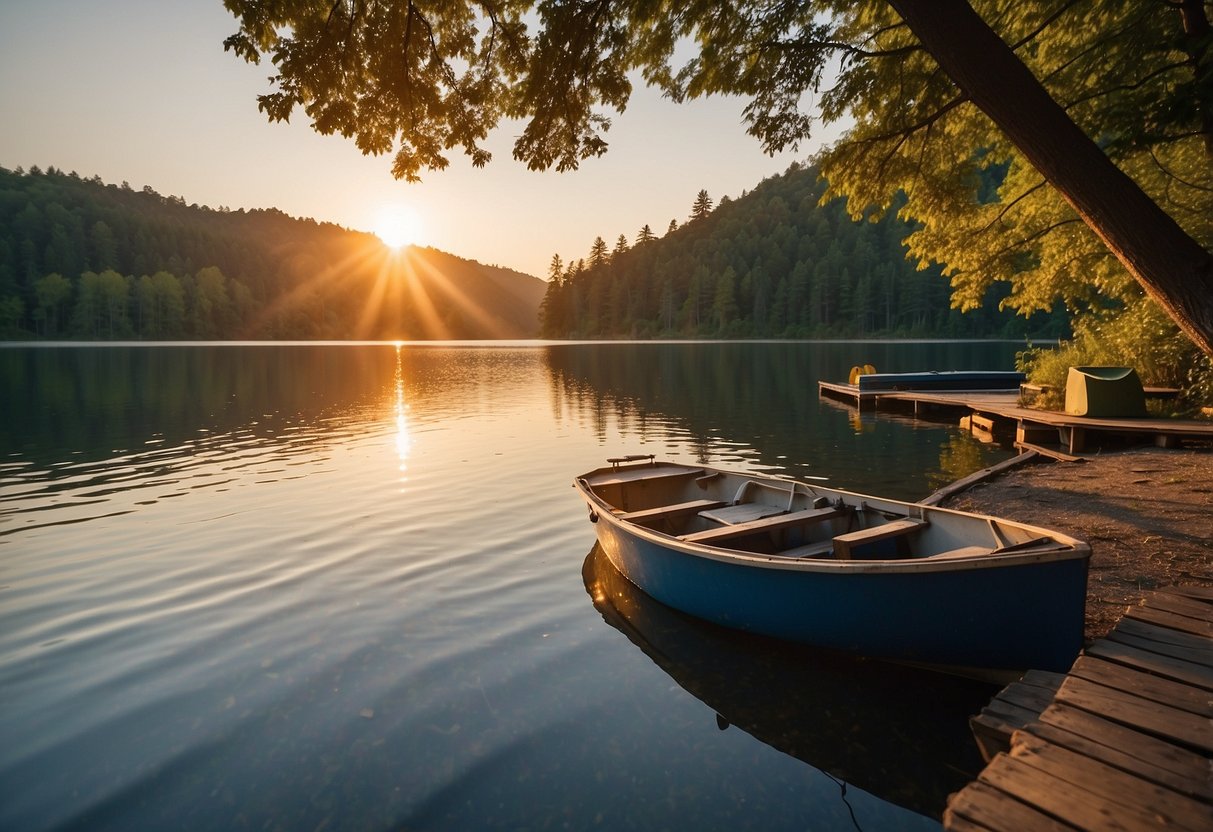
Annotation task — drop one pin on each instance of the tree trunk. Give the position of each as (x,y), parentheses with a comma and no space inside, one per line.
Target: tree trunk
(1173,268)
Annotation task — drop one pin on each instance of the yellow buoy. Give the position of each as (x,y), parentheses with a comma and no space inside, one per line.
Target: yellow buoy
(857,371)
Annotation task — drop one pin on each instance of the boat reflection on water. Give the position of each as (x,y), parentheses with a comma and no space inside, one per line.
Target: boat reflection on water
(897,732)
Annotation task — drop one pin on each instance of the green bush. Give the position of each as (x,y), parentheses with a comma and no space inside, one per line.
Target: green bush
(1140,336)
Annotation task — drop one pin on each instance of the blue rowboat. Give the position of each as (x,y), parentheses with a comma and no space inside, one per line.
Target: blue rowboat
(940,380)
(841,570)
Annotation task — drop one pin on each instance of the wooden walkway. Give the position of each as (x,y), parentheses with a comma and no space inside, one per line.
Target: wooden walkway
(1124,741)
(1001,411)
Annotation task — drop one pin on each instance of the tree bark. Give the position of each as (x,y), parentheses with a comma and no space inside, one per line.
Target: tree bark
(1174,269)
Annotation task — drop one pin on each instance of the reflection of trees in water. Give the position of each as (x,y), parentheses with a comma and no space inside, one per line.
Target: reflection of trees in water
(960,456)
(95,401)
(761,396)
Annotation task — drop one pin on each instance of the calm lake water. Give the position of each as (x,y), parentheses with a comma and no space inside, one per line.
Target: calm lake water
(350,587)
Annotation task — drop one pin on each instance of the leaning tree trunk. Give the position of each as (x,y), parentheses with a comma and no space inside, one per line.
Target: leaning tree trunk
(1172,267)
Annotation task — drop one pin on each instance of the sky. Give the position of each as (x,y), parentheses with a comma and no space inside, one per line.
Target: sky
(141,91)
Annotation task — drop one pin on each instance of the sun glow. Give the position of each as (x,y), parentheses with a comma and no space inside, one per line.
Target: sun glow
(398,226)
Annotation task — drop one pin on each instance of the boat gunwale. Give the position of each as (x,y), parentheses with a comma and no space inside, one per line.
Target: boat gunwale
(1074,548)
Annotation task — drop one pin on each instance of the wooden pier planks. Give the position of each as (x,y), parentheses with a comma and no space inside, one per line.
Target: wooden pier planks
(1032,426)
(1126,742)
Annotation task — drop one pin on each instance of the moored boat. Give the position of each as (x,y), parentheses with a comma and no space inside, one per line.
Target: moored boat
(970,380)
(841,570)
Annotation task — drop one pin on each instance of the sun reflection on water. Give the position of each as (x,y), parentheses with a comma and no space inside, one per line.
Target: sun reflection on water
(404,441)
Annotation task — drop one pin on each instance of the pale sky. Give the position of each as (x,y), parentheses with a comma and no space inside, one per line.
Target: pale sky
(142,91)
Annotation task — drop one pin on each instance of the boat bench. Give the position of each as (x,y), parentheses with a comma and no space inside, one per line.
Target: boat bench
(765,524)
(647,515)
(734,514)
(825,548)
(844,543)
(642,475)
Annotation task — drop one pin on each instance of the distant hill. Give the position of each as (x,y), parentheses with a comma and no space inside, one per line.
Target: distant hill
(773,263)
(83,259)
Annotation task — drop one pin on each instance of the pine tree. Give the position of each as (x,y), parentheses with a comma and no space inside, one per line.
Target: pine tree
(702,206)
(599,256)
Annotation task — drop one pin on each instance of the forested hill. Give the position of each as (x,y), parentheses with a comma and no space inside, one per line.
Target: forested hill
(82,259)
(772,263)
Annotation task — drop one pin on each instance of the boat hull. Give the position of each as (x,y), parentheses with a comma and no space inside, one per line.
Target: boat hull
(1009,613)
(1014,617)
(946,380)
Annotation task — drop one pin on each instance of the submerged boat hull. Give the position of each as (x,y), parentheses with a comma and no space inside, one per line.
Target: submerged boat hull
(1014,612)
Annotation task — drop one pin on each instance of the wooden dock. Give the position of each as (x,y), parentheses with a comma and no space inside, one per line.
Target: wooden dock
(1001,412)
(1124,741)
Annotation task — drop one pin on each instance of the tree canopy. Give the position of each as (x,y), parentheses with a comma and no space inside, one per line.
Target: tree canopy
(1101,114)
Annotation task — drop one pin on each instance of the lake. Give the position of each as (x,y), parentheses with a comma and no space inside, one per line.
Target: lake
(351,587)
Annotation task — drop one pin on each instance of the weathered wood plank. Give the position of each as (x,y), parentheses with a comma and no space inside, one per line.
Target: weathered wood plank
(1194,655)
(1173,725)
(1163,635)
(1110,785)
(1152,662)
(1043,679)
(781,521)
(1201,593)
(1179,604)
(648,515)
(1195,782)
(965,483)
(990,808)
(1146,685)
(735,515)
(1051,453)
(844,543)
(1183,623)
(1072,806)
(1016,705)
(993,727)
(1031,697)
(1150,750)
(650,474)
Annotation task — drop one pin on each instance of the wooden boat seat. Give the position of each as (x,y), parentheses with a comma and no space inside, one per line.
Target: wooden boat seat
(664,512)
(844,543)
(765,524)
(735,514)
(643,474)
(962,552)
(820,549)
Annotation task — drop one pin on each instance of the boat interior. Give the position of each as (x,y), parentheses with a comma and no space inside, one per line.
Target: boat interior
(795,520)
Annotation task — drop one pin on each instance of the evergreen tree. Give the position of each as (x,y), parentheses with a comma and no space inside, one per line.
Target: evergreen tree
(724,305)
(598,253)
(53,291)
(702,206)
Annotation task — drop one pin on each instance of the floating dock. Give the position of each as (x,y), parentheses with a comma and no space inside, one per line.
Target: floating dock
(999,411)
(1123,741)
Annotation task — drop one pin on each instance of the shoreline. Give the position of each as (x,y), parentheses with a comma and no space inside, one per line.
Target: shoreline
(1147,513)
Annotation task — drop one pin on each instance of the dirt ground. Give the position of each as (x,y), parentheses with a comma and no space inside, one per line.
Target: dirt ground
(1147,513)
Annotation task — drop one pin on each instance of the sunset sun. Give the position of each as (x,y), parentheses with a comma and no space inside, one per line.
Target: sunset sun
(397,226)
